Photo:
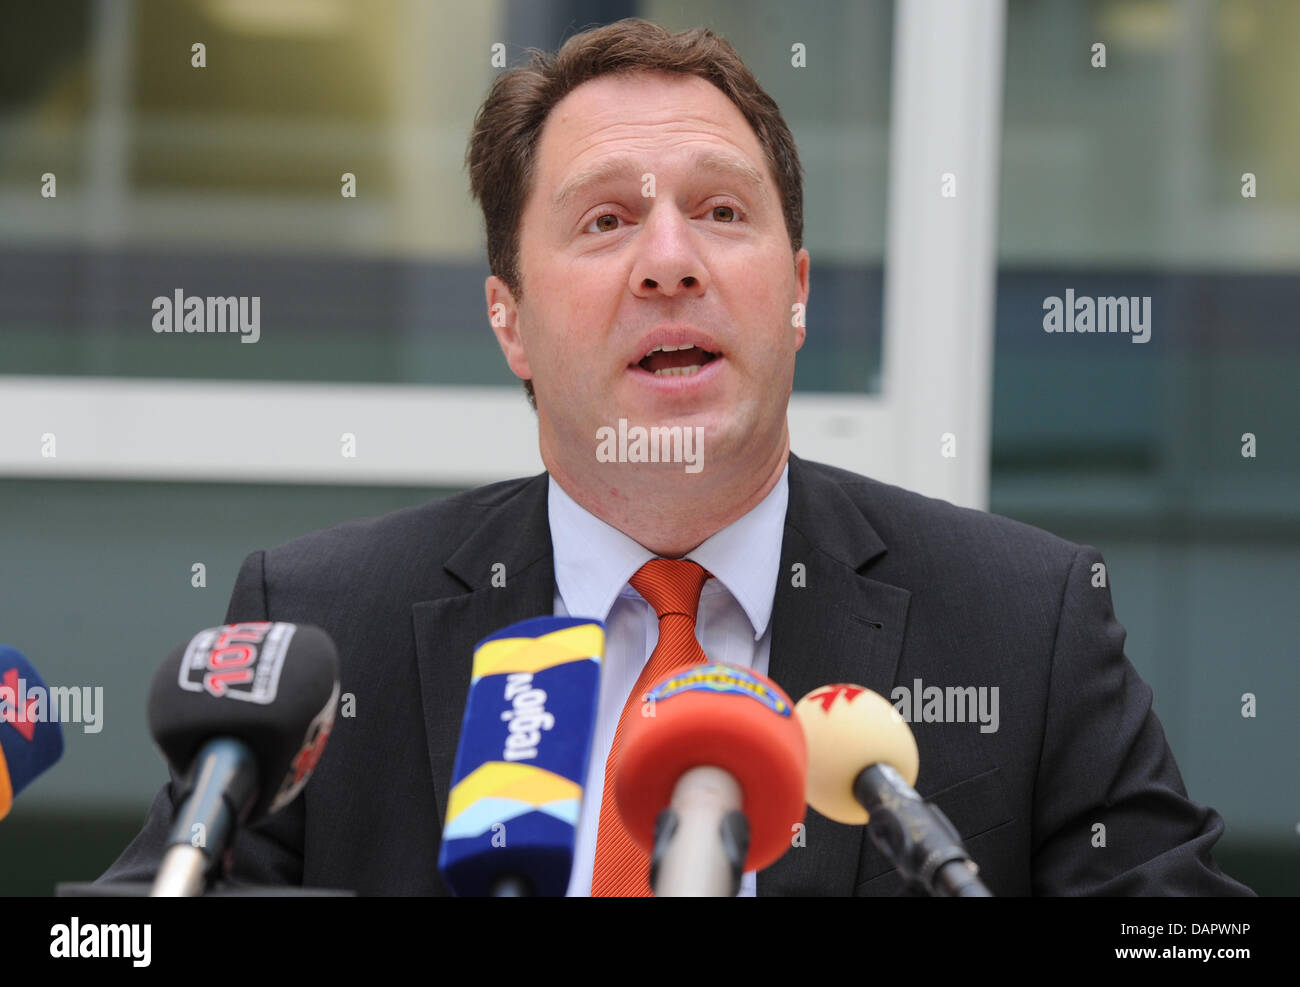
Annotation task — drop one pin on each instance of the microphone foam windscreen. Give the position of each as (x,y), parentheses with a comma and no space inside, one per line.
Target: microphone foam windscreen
(30,740)
(274,686)
(849,728)
(722,716)
(525,742)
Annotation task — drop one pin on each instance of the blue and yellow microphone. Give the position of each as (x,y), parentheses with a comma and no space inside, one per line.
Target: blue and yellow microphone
(525,744)
(30,739)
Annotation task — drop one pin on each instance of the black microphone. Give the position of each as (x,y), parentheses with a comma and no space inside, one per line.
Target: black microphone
(241,714)
(915,835)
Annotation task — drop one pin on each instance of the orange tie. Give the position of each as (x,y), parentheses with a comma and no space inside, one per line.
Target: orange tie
(672,587)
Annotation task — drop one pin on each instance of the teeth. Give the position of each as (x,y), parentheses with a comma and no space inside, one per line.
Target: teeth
(670,349)
(678,371)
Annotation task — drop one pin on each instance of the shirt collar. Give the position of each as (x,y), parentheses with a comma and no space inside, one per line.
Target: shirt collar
(594,560)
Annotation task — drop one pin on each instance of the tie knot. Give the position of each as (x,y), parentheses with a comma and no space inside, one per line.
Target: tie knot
(671,585)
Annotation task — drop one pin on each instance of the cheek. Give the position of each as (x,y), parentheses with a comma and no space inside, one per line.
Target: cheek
(768,278)
(584,328)
(766,302)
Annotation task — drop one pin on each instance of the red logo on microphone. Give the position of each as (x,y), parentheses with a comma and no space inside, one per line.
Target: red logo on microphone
(237,661)
(21,720)
(828,695)
(305,761)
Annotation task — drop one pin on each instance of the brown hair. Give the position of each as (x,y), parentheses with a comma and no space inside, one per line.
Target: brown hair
(503,144)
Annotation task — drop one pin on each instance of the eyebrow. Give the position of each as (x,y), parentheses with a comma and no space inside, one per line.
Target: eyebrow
(624,168)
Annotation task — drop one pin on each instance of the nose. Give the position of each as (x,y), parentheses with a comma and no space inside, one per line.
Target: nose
(667,261)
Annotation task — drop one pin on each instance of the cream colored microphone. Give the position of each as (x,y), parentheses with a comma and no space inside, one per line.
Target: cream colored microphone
(862,764)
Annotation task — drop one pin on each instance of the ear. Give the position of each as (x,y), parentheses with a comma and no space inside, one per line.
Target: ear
(503,316)
(802,270)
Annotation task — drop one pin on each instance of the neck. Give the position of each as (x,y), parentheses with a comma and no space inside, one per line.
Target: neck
(668,512)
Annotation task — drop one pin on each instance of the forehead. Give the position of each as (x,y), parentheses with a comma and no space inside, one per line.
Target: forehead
(647,118)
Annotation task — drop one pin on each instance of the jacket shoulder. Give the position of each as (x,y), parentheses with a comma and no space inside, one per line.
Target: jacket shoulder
(401,552)
(439,520)
(904,517)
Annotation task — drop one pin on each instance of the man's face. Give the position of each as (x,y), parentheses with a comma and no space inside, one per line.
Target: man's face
(610,272)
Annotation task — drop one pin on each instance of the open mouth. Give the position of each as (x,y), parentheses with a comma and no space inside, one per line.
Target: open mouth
(675,361)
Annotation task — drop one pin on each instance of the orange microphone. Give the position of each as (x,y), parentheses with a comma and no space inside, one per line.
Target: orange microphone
(863,764)
(711,778)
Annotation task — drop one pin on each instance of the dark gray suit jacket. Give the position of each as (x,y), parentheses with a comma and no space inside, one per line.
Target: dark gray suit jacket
(898,587)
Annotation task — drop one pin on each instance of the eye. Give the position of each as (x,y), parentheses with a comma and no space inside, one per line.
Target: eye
(603,228)
(730,215)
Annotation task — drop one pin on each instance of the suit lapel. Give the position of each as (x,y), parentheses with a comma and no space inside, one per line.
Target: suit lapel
(517,535)
(830,624)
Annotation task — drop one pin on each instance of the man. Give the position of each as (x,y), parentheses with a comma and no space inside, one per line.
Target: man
(643,205)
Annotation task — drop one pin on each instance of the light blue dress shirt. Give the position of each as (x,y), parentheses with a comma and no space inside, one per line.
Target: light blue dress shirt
(593,563)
